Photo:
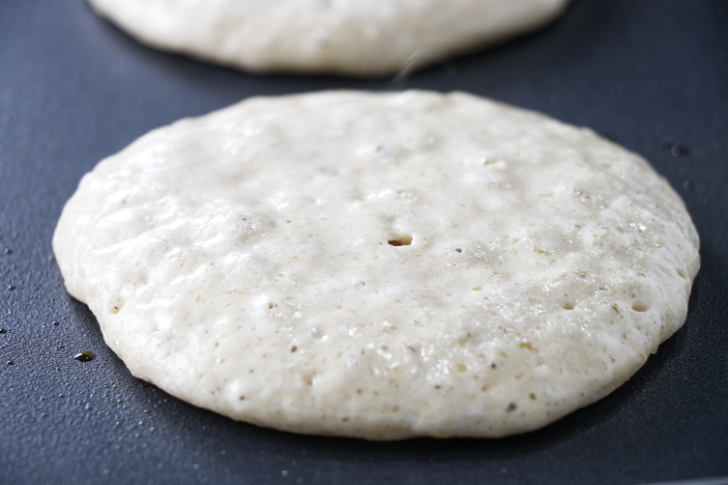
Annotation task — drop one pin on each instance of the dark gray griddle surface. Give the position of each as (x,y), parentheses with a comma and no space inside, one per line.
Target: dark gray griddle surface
(651,74)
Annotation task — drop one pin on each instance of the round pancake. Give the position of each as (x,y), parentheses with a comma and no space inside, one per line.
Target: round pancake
(371,38)
(380,265)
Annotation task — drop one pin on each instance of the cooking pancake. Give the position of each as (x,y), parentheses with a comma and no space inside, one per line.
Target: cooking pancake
(380,265)
(372,38)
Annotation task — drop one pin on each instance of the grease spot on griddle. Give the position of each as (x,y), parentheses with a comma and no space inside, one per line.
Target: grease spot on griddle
(85,356)
(676,149)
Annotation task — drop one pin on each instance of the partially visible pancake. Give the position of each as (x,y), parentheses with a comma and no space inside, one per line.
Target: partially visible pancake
(362,38)
(380,265)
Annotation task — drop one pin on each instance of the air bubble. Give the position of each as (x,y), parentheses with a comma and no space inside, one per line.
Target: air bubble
(639,307)
(403,240)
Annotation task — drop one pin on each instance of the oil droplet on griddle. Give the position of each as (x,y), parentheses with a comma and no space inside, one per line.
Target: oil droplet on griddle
(676,149)
(84,356)
(3,330)
(11,362)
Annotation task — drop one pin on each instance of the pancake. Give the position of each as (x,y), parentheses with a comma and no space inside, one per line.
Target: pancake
(380,265)
(373,38)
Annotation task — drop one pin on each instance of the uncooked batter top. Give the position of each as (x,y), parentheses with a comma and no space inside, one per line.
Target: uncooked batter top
(364,38)
(380,265)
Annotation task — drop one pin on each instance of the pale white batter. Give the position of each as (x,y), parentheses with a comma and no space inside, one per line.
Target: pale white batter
(365,38)
(380,265)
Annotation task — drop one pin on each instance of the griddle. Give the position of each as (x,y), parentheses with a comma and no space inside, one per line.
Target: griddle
(650,74)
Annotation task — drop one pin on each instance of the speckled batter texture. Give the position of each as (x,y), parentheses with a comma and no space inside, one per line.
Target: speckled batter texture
(380,265)
(363,38)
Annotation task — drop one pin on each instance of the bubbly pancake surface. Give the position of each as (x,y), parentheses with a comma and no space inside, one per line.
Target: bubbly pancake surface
(380,265)
(364,38)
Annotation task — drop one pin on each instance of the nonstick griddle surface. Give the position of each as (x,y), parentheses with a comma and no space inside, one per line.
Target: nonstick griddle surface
(650,74)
